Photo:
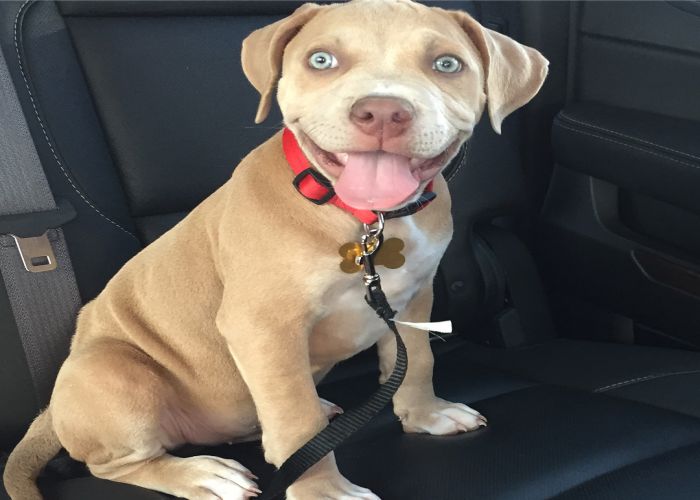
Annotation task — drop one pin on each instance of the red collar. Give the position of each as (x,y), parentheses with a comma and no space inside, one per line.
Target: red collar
(313,186)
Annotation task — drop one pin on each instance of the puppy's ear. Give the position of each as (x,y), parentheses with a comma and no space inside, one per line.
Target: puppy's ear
(263,50)
(514,72)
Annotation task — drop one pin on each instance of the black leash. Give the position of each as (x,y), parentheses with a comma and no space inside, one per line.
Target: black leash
(345,425)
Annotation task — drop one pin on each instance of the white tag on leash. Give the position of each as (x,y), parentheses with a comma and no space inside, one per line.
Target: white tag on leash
(435,326)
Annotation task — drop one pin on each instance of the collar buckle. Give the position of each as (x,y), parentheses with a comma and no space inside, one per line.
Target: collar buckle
(308,190)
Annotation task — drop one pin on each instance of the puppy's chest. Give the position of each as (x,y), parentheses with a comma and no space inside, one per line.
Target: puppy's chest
(349,325)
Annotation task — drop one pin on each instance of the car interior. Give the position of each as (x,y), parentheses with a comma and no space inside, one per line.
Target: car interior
(573,278)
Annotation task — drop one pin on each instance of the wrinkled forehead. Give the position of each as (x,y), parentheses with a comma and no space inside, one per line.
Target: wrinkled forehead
(384,28)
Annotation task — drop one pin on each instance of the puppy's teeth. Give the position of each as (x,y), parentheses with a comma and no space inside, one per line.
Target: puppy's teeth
(342,157)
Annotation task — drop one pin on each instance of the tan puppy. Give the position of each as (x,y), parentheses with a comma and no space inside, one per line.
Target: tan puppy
(222,327)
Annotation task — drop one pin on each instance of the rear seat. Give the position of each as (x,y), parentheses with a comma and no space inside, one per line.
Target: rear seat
(139,115)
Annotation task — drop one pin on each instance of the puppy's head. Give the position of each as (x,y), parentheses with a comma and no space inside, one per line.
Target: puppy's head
(382,93)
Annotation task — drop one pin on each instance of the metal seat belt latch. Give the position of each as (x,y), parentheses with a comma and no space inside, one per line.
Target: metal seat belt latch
(30,234)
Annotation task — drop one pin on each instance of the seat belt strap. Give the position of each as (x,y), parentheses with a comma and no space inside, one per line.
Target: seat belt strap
(527,318)
(34,260)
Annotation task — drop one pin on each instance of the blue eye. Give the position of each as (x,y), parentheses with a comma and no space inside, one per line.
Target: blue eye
(322,60)
(447,64)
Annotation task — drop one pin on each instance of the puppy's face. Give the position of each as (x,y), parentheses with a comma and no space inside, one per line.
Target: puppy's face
(382,93)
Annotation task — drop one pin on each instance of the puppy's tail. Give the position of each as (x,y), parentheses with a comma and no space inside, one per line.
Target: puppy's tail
(39,445)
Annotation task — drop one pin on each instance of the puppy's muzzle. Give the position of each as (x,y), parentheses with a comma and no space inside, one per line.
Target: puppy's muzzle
(382,117)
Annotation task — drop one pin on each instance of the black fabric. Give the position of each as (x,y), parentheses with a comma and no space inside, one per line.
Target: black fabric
(16,386)
(646,153)
(37,223)
(20,404)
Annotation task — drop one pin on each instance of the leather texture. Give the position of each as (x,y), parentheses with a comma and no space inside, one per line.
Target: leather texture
(89,487)
(658,478)
(543,441)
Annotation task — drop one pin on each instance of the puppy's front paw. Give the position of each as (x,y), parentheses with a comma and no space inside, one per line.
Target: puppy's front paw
(324,482)
(207,478)
(441,418)
(337,488)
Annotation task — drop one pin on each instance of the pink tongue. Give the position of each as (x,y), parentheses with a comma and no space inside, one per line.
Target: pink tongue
(375,181)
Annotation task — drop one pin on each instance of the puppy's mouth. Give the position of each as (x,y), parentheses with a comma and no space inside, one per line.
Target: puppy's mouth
(378,180)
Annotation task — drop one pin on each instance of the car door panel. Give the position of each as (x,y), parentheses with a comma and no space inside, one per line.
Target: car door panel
(620,245)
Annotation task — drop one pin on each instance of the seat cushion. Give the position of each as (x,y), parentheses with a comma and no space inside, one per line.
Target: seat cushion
(662,476)
(543,440)
(662,377)
(91,487)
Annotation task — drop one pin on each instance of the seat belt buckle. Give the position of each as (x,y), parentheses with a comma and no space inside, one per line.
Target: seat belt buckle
(36,253)
(30,234)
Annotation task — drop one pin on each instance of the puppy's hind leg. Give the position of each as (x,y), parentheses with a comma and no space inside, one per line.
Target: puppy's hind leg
(108,410)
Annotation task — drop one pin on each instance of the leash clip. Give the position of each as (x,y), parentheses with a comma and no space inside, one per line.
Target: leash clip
(370,242)
(372,238)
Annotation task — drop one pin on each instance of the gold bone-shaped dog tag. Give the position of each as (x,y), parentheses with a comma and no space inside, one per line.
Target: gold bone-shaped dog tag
(389,255)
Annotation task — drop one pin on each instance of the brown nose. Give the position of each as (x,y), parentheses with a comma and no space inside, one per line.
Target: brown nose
(384,117)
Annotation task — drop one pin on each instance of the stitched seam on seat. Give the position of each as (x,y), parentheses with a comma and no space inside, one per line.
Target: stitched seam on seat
(646,378)
(614,132)
(665,157)
(46,135)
